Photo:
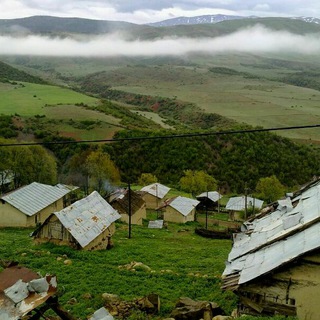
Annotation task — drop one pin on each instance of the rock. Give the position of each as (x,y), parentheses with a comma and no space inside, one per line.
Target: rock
(188,309)
(67,262)
(222,318)
(23,254)
(59,258)
(110,298)
(87,296)
(72,301)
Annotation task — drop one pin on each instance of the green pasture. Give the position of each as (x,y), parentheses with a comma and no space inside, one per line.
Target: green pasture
(253,101)
(28,99)
(181,262)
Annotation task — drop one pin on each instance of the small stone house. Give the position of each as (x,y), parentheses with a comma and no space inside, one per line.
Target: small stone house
(179,209)
(154,194)
(119,200)
(274,264)
(237,205)
(31,204)
(208,200)
(86,224)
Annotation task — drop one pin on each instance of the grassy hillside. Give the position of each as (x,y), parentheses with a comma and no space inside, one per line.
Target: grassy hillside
(238,94)
(8,73)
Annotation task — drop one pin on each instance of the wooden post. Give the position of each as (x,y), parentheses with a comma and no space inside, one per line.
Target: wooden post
(129,204)
(207,211)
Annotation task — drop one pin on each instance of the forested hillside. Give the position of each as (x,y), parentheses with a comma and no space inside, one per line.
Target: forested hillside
(234,160)
(9,73)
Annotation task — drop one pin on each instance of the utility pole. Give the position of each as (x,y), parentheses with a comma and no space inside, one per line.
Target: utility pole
(245,201)
(129,209)
(207,210)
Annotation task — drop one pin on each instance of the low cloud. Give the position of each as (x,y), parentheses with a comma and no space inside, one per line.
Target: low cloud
(256,39)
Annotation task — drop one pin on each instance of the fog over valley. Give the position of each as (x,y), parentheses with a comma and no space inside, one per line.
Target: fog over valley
(257,39)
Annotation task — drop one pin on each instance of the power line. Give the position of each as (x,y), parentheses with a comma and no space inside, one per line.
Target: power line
(172,136)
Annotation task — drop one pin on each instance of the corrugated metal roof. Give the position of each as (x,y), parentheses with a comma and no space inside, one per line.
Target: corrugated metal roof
(212,195)
(238,203)
(34,197)
(156,189)
(88,218)
(183,205)
(277,238)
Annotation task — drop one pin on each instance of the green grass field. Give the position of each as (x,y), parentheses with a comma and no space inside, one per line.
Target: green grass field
(182,264)
(30,99)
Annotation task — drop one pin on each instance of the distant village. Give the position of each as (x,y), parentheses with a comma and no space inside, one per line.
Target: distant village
(272,266)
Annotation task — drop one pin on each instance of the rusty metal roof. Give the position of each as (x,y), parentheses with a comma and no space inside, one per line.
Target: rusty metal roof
(87,218)
(34,197)
(22,290)
(156,189)
(277,238)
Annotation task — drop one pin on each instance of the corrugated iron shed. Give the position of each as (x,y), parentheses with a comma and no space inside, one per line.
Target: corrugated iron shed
(277,238)
(183,205)
(34,197)
(212,195)
(156,189)
(239,203)
(87,218)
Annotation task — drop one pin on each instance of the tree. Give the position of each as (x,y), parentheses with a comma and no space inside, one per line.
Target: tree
(102,170)
(196,182)
(270,188)
(44,165)
(146,179)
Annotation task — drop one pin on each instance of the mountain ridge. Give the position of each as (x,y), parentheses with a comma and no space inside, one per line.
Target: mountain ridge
(216,18)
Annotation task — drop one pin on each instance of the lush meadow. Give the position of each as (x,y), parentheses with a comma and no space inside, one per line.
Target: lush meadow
(182,264)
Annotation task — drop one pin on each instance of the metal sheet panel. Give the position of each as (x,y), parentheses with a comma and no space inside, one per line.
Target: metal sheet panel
(212,195)
(156,189)
(184,205)
(239,203)
(34,197)
(277,238)
(88,218)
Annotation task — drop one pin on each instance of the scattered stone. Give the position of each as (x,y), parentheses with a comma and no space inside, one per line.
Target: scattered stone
(87,296)
(222,318)
(122,309)
(59,258)
(72,301)
(136,266)
(67,262)
(23,254)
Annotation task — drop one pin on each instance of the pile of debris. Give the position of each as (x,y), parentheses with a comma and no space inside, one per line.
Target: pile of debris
(23,292)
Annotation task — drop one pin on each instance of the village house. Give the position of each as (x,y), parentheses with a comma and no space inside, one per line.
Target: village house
(154,194)
(274,263)
(238,207)
(179,209)
(86,224)
(120,201)
(31,204)
(208,200)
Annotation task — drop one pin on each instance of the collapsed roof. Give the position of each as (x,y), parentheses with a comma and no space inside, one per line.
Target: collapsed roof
(281,233)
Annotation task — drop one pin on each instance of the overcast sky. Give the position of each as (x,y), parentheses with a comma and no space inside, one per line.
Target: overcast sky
(145,11)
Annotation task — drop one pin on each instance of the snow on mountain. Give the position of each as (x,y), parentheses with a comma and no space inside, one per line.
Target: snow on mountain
(214,19)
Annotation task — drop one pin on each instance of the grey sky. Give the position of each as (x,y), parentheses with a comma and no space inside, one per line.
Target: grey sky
(145,11)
